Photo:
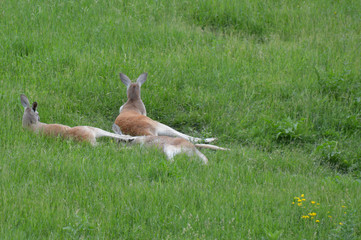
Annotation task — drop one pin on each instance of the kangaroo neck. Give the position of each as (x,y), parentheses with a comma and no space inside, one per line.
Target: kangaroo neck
(36,127)
(133,92)
(135,105)
(133,98)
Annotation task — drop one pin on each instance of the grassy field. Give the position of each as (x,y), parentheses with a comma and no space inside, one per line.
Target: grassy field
(278,82)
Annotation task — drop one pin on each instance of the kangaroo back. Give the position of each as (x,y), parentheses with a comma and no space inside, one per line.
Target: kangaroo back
(135,124)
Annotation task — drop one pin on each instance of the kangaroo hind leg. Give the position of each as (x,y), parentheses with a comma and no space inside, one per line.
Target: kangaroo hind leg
(164,130)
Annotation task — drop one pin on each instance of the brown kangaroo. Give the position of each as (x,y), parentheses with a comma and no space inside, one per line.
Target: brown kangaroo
(132,119)
(31,120)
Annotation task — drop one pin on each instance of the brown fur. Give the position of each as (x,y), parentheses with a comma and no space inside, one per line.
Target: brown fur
(81,133)
(31,120)
(134,106)
(54,129)
(135,124)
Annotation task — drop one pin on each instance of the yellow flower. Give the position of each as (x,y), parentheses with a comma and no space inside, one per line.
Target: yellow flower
(317,221)
(302,195)
(329,216)
(293,202)
(312,214)
(313,202)
(299,204)
(303,199)
(344,206)
(305,217)
(318,204)
(299,200)
(341,223)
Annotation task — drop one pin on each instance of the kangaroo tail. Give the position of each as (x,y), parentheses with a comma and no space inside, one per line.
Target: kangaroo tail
(213,147)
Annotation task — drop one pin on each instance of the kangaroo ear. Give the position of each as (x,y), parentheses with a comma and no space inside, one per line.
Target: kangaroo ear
(24,101)
(125,79)
(142,78)
(35,105)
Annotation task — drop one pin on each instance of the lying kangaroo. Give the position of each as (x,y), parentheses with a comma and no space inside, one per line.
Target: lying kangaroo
(172,146)
(132,119)
(31,120)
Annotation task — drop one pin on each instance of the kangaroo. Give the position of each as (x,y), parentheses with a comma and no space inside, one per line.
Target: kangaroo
(172,146)
(133,120)
(31,120)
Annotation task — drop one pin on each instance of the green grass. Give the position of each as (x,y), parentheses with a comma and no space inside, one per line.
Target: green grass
(278,82)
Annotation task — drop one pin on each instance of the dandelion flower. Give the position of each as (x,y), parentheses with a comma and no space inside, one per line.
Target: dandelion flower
(317,221)
(341,223)
(299,204)
(302,195)
(305,217)
(303,199)
(293,202)
(312,214)
(313,202)
(344,206)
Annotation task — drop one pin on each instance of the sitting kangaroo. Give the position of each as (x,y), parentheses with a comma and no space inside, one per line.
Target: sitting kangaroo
(31,120)
(132,119)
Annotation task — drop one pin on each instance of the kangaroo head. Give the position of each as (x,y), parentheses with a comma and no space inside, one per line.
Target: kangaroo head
(133,89)
(31,116)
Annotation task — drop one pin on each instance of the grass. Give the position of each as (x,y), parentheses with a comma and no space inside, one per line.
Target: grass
(278,82)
